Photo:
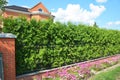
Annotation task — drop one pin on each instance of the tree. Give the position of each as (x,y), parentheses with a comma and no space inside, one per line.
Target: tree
(95,24)
(2,4)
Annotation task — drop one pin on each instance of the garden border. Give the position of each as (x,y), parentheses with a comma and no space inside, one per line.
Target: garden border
(20,77)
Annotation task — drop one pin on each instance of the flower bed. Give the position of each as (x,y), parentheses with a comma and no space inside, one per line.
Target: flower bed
(78,71)
(81,71)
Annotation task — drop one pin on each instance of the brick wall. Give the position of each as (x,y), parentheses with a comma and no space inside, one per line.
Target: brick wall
(39,5)
(15,14)
(7,48)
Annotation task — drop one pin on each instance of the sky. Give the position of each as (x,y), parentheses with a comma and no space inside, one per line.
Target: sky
(106,13)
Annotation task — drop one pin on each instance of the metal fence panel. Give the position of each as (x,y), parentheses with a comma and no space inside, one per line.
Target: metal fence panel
(1,67)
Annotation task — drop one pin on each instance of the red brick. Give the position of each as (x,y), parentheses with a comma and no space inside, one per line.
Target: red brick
(7,48)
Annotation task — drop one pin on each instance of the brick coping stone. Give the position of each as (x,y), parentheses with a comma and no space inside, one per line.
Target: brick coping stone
(7,35)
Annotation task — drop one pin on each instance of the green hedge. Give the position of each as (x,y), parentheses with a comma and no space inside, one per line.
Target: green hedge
(47,44)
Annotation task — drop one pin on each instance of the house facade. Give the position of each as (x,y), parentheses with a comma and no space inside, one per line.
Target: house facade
(38,12)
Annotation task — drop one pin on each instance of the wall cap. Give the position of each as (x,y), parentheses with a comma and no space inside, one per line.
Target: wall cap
(7,35)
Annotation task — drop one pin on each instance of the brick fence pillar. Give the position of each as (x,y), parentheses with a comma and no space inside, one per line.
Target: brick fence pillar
(7,49)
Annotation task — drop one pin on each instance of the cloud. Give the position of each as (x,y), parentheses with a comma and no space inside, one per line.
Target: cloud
(74,13)
(115,23)
(101,1)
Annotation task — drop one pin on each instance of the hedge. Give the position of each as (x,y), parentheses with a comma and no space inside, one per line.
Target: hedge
(46,44)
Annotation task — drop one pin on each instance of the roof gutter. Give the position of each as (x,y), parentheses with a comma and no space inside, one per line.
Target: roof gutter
(17,11)
(40,13)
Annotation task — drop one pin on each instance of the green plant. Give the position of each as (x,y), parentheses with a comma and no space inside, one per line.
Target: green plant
(46,44)
(108,75)
(2,4)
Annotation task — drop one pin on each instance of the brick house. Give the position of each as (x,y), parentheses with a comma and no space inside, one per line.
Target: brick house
(39,12)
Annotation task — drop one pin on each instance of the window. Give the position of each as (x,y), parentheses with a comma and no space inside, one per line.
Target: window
(40,10)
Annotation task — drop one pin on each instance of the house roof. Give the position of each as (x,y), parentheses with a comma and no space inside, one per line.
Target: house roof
(19,8)
(24,10)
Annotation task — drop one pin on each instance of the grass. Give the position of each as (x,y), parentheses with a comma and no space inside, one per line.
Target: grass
(113,74)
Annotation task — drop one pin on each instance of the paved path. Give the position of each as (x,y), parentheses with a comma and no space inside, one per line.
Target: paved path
(110,68)
(107,69)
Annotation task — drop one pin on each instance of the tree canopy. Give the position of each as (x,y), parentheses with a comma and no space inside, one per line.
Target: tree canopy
(95,24)
(2,4)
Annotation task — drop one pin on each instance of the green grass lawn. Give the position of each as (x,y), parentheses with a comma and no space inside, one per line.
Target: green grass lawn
(113,74)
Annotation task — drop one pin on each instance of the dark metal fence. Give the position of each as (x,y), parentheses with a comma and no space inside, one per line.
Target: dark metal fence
(1,68)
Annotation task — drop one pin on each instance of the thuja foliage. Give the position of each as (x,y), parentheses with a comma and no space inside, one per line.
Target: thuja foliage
(46,44)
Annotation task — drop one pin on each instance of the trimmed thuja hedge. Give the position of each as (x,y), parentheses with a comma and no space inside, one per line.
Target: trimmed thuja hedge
(46,44)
